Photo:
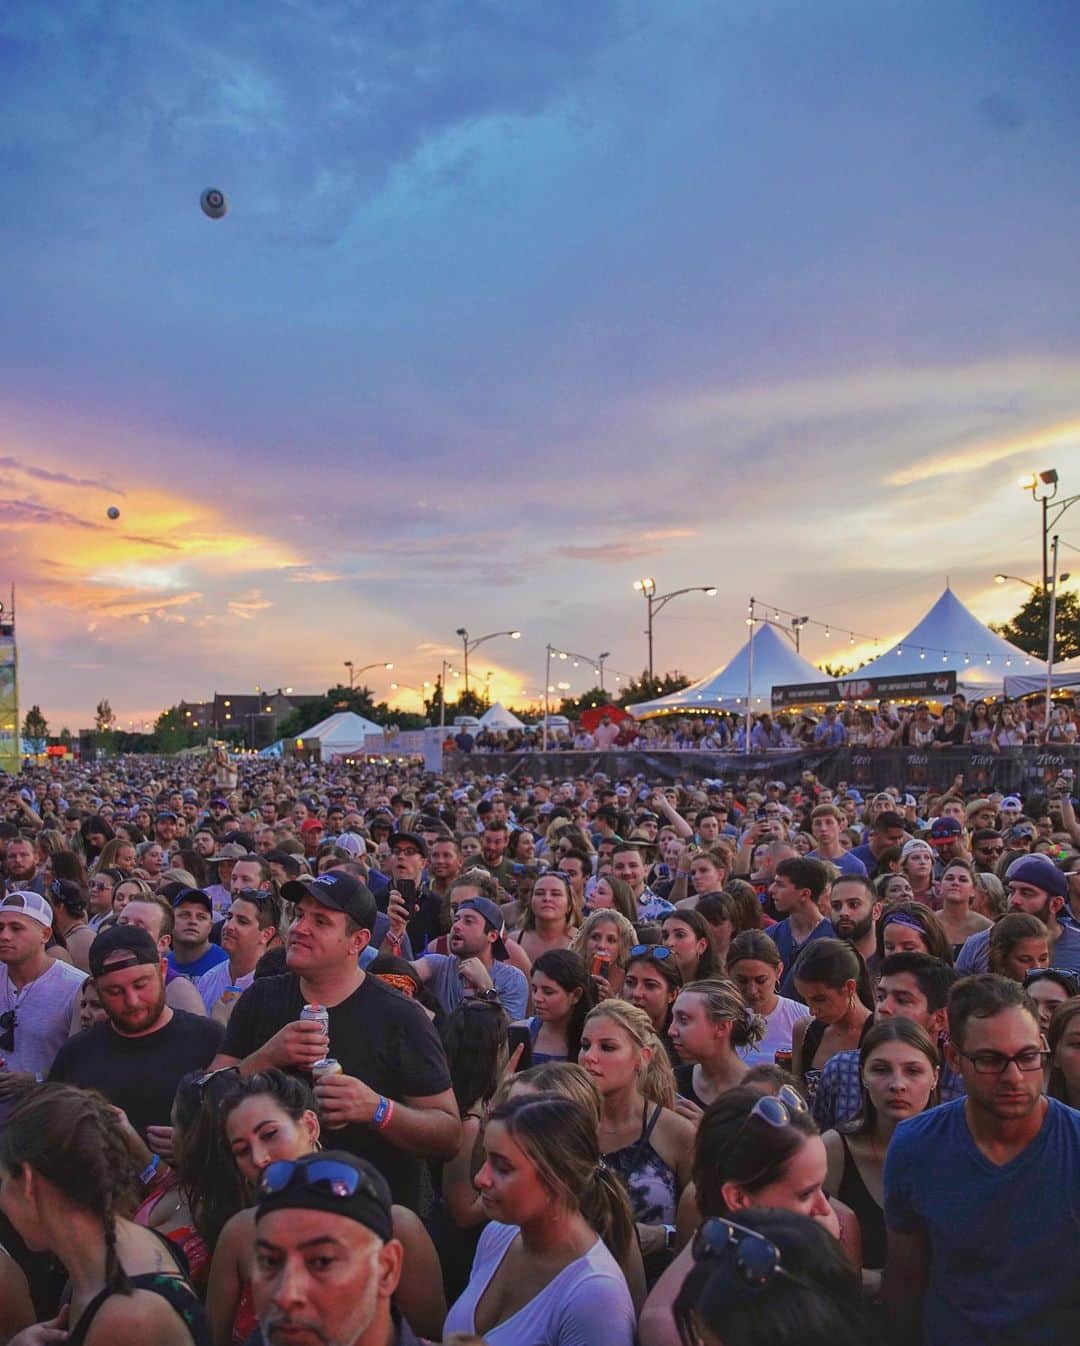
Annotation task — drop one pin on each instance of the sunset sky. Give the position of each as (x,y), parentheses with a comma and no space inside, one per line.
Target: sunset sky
(515,303)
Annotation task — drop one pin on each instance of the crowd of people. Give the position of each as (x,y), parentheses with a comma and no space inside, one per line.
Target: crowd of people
(990,725)
(360,1055)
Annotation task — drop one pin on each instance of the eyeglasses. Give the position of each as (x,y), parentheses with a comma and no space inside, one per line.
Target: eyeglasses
(996,1063)
(327,1176)
(7,1031)
(659,953)
(748,1258)
(1071,980)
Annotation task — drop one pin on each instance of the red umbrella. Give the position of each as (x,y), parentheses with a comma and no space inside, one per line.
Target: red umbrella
(591,718)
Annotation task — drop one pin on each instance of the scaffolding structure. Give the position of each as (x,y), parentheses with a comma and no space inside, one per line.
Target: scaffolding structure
(9,690)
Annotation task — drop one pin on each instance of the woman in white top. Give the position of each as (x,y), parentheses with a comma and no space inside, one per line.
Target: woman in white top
(755,967)
(542,1273)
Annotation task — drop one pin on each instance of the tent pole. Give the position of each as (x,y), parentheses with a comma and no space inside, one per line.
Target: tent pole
(749,679)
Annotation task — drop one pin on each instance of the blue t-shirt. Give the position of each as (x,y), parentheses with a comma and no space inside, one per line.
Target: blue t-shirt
(1002,1237)
(848,863)
(784,940)
(215,954)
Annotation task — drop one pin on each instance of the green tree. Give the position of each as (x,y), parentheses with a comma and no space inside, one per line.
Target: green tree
(35,725)
(837,670)
(1030,626)
(66,737)
(170,735)
(356,699)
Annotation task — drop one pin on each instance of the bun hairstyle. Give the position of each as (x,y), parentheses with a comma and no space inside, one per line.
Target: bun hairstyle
(832,962)
(562,1141)
(724,1003)
(658,1078)
(726,1150)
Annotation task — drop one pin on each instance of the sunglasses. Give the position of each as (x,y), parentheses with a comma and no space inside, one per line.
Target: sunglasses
(328,1176)
(776,1110)
(746,1258)
(7,1031)
(659,953)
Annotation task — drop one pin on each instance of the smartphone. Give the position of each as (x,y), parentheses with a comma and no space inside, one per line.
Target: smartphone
(519,1035)
(407,889)
(761,815)
(601,966)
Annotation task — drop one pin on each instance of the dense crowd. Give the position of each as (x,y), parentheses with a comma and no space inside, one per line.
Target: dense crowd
(990,725)
(343,1055)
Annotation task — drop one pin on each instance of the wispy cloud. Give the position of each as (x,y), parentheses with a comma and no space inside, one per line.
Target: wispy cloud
(61,478)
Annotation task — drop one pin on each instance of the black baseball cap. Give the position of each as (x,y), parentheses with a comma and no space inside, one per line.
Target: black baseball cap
(192,895)
(413,838)
(333,1182)
(122,946)
(338,891)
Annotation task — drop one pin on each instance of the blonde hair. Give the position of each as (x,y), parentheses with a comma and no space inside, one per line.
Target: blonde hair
(565,1078)
(724,1004)
(626,932)
(658,1078)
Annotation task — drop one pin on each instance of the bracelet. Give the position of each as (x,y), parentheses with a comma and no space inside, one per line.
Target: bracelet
(383,1113)
(393,939)
(147,1175)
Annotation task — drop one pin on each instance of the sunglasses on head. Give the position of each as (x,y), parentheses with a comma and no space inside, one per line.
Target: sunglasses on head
(327,1176)
(744,1257)
(7,1031)
(775,1109)
(659,953)
(1071,980)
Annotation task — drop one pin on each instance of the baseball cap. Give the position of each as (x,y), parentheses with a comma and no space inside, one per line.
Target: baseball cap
(193,895)
(915,844)
(311,825)
(332,1181)
(1041,872)
(337,890)
(31,905)
(232,850)
(190,797)
(944,829)
(977,806)
(493,919)
(218,803)
(122,946)
(1012,802)
(412,837)
(162,814)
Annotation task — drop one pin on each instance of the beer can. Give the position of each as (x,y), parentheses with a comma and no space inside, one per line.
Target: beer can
(783,1059)
(316,1014)
(327,1066)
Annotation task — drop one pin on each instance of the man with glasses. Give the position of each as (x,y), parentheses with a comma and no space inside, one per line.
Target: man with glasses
(980,1193)
(987,848)
(39,995)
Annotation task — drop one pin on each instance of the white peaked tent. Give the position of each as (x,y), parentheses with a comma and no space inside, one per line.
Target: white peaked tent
(343,732)
(498,717)
(951,638)
(1024,684)
(775,662)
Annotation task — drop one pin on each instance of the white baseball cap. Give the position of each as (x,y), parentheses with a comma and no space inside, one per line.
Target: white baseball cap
(32,905)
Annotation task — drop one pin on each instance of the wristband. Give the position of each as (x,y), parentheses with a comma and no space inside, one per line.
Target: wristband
(393,939)
(147,1175)
(383,1113)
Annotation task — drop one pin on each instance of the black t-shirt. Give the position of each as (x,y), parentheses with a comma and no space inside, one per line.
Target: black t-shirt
(139,1075)
(378,1035)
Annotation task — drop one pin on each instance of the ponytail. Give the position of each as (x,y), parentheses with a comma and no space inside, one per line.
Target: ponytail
(657,1078)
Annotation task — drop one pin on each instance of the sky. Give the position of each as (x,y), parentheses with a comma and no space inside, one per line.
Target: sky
(516,303)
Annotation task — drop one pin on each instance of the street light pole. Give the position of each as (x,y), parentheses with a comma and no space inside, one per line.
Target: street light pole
(354,672)
(1048,478)
(467,645)
(656,603)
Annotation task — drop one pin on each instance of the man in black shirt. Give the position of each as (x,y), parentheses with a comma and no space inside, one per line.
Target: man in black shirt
(138,1056)
(393,1105)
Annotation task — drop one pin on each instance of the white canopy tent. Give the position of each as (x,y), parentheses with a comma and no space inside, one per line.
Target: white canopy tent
(1064,675)
(775,662)
(498,717)
(344,731)
(951,638)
